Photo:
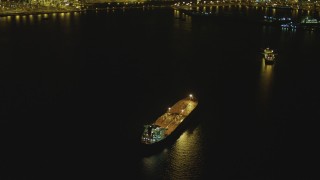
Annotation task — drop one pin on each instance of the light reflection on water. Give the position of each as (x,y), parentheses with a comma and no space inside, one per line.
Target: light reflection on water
(2,21)
(31,19)
(274,12)
(54,16)
(67,22)
(186,155)
(9,19)
(178,160)
(61,15)
(152,165)
(17,19)
(183,21)
(24,19)
(295,13)
(265,83)
(39,17)
(176,13)
(64,18)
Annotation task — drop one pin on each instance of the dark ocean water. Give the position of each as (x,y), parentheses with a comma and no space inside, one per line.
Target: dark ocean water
(77,88)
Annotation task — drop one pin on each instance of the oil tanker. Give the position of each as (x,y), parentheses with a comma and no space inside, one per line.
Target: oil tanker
(168,123)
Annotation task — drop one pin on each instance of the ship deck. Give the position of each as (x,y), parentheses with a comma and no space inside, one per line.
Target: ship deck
(176,114)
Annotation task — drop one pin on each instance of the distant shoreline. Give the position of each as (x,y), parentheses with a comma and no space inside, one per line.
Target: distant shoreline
(25,13)
(84,7)
(129,5)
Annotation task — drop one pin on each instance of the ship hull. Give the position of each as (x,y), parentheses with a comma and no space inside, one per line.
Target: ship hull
(269,62)
(170,139)
(168,127)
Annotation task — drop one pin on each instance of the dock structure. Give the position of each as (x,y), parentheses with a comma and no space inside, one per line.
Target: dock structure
(169,121)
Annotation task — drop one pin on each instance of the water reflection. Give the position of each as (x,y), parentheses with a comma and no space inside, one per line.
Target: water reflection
(186,155)
(24,19)
(17,19)
(152,165)
(39,17)
(177,161)
(75,17)
(295,13)
(3,21)
(274,12)
(31,19)
(265,83)
(54,17)
(67,19)
(9,19)
(183,21)
(176,14)
(188,20)
(61,15)
(64,19)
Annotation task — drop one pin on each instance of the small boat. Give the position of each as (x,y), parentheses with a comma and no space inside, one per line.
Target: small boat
(269,59)
(269,56)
